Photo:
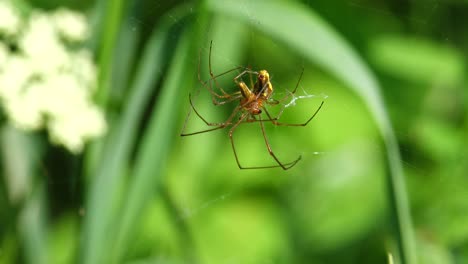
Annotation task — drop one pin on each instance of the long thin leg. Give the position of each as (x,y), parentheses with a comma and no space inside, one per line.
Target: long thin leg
(295,88)
(207,84)
(204,131)
(214,95)
(231,131)
(233,97)
(275,120)
(218,125)
(236,79)
(236,96)
(234,112)
(230,97)
(251,80)
(284,166)
(213,77)
(223,125)
(211,72)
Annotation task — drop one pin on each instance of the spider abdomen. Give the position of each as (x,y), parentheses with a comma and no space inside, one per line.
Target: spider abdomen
(253,106)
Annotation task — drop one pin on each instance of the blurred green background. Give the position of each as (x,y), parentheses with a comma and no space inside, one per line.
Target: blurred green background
(384,165)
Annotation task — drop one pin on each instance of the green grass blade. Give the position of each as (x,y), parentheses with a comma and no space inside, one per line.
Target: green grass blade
(32,226)
(157,141)
(155,146)
(118,148)
(113,18)
(306,33)
(20,162)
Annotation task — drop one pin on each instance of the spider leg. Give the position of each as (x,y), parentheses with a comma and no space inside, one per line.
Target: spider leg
(217,125)
(231,131)
(235,96)
(285,166)
(251,80)
(214,78)
(275,120)
(236,79)
(211,72)
(207,85)
(204,131)
(295,88)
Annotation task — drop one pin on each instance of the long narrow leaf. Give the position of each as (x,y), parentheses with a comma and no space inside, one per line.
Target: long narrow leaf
(115,10)
(32,224)
(20,156)
(157,141)
(118,148)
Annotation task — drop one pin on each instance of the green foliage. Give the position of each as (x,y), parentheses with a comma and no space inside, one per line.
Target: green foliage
(383,169)
(417,60)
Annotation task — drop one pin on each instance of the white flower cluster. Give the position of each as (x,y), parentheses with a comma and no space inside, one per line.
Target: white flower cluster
(44,83)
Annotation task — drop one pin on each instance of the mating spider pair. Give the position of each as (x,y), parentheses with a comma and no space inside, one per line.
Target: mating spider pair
(252,103)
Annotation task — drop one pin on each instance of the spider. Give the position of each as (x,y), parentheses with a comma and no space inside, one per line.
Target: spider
(252,103)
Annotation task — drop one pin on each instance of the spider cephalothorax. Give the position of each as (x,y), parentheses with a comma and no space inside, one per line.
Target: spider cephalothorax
(253,99)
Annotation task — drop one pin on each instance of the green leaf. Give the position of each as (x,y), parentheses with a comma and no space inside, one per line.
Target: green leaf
(112,21)
(21,155)
(32,225)
(158,137)
(119,145)
(416,59)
